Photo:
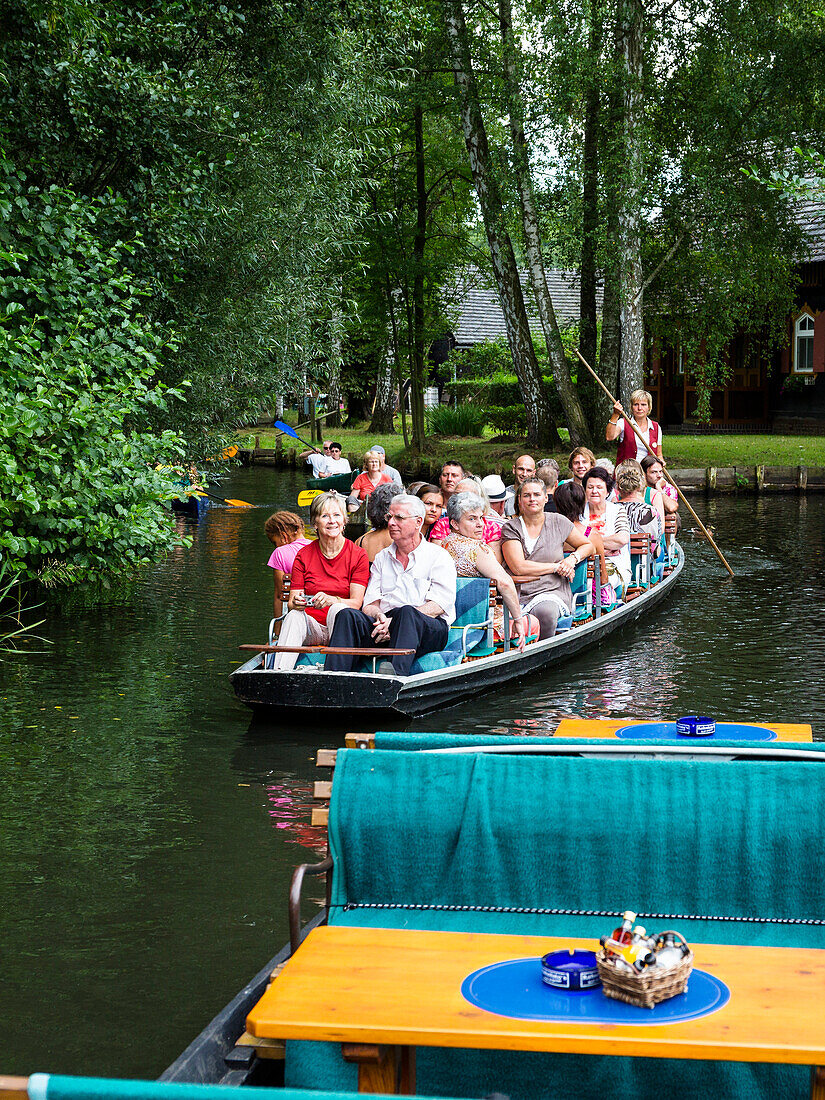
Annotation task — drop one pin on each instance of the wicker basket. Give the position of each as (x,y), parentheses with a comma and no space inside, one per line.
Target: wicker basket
(644,988)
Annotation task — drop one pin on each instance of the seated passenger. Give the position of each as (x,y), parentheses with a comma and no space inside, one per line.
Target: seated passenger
(433,500)
(492,523)
(370,478)
(547,470)
(327,576)
(285,531)
(335,464)
(533,542)
(642,516)
(570,503)
(655,480)
(410,598)
(611,522)
(580,461)
(465,545)
(377,504)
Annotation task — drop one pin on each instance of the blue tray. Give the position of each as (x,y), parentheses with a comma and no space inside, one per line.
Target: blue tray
(666,731)
(514,988)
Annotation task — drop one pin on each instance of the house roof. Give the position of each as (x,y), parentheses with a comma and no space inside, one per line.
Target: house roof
(481,318)
(810,216)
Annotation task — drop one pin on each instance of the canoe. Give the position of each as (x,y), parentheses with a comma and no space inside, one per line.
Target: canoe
(342,483)
(345,694)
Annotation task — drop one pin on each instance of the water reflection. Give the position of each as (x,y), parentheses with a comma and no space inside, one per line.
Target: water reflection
(150,825)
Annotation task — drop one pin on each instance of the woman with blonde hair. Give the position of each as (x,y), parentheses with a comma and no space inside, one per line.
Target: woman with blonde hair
(326,575)
(628,443)
(371,477)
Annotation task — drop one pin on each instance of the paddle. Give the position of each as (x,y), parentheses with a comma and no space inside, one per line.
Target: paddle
(307,496)
(224,500)
(702,527)
(285,428)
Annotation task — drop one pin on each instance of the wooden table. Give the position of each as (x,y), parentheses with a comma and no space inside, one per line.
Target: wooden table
(606,728)
(382,992)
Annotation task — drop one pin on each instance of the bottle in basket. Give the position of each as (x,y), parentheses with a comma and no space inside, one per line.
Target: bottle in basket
(669,950)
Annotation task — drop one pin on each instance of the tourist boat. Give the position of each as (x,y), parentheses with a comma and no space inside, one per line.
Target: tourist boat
(342,483)
(345,693)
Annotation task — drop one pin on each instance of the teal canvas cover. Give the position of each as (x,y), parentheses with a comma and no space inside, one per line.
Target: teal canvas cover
(49,1086)
(708,843)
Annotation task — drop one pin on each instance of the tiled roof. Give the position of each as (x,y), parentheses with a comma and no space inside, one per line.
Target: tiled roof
(810,215)
(481,318)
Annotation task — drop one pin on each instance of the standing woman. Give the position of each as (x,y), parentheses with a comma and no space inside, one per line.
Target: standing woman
(611,522)
(326,575)
(629,444)
(533,546)
(285,531)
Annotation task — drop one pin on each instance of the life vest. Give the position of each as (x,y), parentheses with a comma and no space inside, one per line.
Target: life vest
(627,445)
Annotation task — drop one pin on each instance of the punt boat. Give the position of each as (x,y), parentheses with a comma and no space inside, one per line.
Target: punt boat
(476,670)
(342,483)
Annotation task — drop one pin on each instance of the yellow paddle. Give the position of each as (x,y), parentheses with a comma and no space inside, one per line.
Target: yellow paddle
(224,500)
(307,496)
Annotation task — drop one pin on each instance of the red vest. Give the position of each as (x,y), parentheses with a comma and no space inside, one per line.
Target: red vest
(627,445)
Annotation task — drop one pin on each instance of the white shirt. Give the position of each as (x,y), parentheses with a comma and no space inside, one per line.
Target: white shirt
(430,575)
(337,466)
(318,463)
(510,501)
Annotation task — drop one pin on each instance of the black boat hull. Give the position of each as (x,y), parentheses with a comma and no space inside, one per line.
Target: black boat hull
(347,693)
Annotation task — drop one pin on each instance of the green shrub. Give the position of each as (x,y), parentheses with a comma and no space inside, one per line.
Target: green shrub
(507,419)
(464,420)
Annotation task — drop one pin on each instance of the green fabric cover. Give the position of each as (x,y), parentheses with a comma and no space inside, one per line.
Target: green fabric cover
(44,1086)
(707,838)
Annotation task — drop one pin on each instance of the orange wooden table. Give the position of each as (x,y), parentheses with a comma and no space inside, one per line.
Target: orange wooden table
(606,727)
(381,992)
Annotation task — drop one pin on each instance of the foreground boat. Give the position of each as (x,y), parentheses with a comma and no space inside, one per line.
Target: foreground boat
(358,692)
(484,846)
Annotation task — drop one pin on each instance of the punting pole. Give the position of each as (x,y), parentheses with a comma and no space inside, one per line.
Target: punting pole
(630,421)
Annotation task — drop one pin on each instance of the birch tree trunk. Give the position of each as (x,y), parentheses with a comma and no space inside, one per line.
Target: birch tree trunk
(576,419)
(630,29)
(588,307)
(541,429)
(384,407)
(418,364)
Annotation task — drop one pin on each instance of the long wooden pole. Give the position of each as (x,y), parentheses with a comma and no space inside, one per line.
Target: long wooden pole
(646,442)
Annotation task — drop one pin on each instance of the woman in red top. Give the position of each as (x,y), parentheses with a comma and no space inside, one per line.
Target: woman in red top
(371,478)
(326,575)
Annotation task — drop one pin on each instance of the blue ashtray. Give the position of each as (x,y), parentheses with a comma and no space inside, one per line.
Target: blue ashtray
(572,970)
(695,725)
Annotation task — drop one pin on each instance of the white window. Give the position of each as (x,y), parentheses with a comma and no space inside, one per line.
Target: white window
(803,359)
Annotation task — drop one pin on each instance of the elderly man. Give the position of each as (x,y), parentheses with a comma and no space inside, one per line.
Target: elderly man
(523,467)
(451,473)
(410,598)
(390,471)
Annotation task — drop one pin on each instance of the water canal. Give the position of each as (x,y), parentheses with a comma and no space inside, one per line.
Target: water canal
(148,826)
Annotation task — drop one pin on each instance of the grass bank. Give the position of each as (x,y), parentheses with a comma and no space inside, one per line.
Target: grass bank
(489,455)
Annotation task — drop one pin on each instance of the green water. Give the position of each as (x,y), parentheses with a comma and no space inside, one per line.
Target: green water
(149,827)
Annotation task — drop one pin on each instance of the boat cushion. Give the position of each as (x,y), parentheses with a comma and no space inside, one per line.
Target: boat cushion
(472,605)
(708,844)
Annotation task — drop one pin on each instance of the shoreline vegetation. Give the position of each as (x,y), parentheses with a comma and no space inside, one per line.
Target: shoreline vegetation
(719,462)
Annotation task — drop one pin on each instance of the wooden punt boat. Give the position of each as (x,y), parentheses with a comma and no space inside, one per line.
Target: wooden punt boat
(348,693)
(227,1053)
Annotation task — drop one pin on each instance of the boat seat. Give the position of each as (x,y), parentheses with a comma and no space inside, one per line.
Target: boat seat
(730,852)
(471,629)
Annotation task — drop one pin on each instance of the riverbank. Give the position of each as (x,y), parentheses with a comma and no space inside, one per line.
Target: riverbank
(720,463)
